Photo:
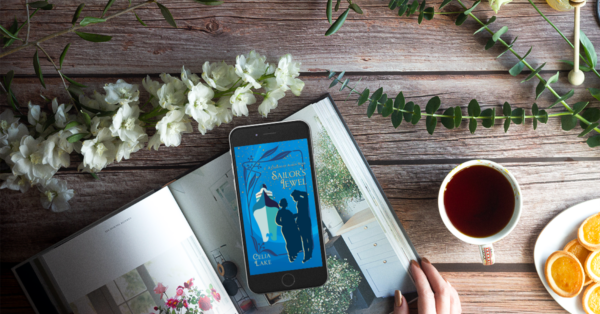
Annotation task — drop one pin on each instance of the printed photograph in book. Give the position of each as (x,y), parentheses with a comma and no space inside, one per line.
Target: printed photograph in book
(172,283)
(279,213)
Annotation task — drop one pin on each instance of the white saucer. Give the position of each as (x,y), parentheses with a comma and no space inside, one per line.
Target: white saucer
(554,237)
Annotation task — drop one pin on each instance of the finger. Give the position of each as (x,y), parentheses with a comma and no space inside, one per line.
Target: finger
(426,297)
(439,285)
(455,307)
(400,304)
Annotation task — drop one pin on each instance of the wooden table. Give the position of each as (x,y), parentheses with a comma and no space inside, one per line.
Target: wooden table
(555,169)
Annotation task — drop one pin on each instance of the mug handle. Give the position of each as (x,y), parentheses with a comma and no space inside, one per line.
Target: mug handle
(487,254)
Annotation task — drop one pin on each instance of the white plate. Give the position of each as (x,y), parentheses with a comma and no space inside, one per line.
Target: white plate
(554,237)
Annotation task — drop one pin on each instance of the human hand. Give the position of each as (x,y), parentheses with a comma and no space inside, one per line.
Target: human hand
(443,299)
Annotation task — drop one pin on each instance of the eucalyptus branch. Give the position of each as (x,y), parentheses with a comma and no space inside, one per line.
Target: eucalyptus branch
(28,22)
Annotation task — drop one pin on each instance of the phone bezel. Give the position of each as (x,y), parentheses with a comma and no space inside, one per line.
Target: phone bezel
(269,133)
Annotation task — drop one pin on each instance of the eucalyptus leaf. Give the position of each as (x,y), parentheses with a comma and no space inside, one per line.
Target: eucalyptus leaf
(338,23)
(416,115)
(595,92)
(382,100)
(356,8)
(371,108)
(329,11)
(433,105)
(535,110)
(422,7)
(588,49)
(517,115)
(388,109)
(86,118)
(581,67)
(37,68)
(9,34)
(73,81)
(534,73)
(593,141)
(392,4)
(344,84)
(492,20)
(448,122)
(77,12)
(379,108)
(474,109)
(579,106)
(429,13)
(430,124)
(457,116)
(399,101)
(568,123)
(410,106)
(377,94)
(63,54)
(71,124)
(499,33)
(589,129)
(467,12)
(472,125)
(363,97)
(91,20)
(334,83)
(166,14)
(76,137)
(337,5)
(14,30)
(108,5)
(488,123)
(461,19)
(553,79)
(506,109)
(331,74)
(516,69)
(421,16)
(208,2)
(96,38)
(139,19)
(539,89)
(445,3)
(341,75)
(402,9)
(591,115)
(543,116)
(489,44)
(563,98)
(506,124)
(413,8)
(38,4)
(47,7)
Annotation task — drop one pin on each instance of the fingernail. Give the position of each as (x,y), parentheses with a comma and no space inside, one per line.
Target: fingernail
(414,263)
(398,298)
(424,259)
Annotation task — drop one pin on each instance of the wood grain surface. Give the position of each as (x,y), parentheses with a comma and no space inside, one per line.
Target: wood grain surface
(555,168)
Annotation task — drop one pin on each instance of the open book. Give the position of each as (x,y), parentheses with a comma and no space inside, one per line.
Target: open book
(179,247)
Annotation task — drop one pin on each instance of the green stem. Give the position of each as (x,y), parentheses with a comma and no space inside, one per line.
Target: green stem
(231,89)
(459,12)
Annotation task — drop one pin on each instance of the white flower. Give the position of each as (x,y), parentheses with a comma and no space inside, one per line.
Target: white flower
(54,155)
(15,183)
(99,123)
(11,140)
(270,101)
(7,119)
(200,105)
(220,76)
(29,161)
(170,96)
(100,151)
(297,86)
(124,149)
(287,72)
(224,114)
(250,68)
(121,92)
(496,4)
(154,141)
(178,85)
(97,102)
(60,113)
(241,98)
(151,86)
(171,126)
(36,117)
(188,78)
(126,126)
(56,195)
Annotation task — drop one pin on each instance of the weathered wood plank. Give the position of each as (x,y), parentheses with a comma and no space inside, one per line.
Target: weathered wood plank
(379,40)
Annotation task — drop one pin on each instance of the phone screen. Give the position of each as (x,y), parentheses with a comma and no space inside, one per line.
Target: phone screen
(278,206)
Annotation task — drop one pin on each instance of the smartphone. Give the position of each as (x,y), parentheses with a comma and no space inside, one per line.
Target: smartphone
(278,204)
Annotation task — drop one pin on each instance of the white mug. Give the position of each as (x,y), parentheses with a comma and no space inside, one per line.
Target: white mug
(485,244)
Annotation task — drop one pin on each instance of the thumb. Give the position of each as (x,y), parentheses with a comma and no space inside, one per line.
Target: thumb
(400,304)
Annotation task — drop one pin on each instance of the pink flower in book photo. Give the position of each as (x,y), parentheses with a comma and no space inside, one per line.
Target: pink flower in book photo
(160,289)
(188,297)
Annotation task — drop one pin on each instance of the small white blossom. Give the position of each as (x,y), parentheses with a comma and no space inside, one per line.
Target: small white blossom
(170,96)
(55,195)
(224,114)
(287,72)
(151,86)
(250,68)
(171,126)
(7,119)
(28,161)
(99,151)
(220,76)
(60,113)
(200,105)
(15,183)
(241,98)
(54,155)
(126,126)
(99,123)
(124,149)
(270,101)
(121,93)
(97,102)
(188,78)
(11,140)
(36,117)
(154,141)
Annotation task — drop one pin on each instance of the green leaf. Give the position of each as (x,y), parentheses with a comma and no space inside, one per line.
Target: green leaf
(329,11)
(344,84)
(568,122)
(392,4)
(166,14)
(14,30)
(381,101)
(467,12)
(563,98)
(331,74)
(333,83)
(77,12)
(8,79)
(429,13)
(506,124)
(534,73)
(422,7)
(413,8)
(371,108)
(518,115)
(433,105)
(490,43)
(460,19)
(416,115)
(535,111)
(108,5)
(96,38)
(37,68)
(581,67)
(506,109)
(544,116)
(377,94)
(448,122)
(445,3)
(139,20)
(91,20)
(474,109)
(94,175)
(48,7)
(492,20)
(472,125)
(410,106)
(430,123)
(76,137)
(337,5)
(421,16)
(516,69)
(73,82)
(338,23)
(553,79)
(341,75)
(595,92)
(499,33)
(399,101)
(206,2)
(356,8)
(71,124)
(388,109)
(540,88)
(363,97)
(48,122)
(591,115)
(457,116)
(9,34)
(63,54)
(86,118)
(593,141)
(589,129)
(579,106)
(588,49)
(402,9)
(396,118)
(488,123)
(38,4)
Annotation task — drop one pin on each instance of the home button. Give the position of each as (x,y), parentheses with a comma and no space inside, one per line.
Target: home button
(288,280)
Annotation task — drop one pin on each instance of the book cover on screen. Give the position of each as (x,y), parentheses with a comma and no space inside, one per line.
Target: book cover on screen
(178,249)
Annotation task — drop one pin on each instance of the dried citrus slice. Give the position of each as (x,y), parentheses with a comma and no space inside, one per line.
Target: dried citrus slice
(589,233)
(564,274)
(560,5)
(591,299)
(592,266)
(581,253)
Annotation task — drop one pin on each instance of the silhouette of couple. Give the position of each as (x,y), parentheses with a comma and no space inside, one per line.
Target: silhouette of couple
(296,228)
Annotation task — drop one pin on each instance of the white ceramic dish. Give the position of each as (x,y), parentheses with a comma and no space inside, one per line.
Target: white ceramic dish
(554,237)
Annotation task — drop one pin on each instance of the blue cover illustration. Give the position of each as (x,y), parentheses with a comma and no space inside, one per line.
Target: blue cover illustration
(278,208)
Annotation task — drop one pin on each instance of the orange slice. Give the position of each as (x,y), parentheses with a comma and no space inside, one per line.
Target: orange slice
(581,253)
(564,274)
(589,233)
(591,299)
(592,266)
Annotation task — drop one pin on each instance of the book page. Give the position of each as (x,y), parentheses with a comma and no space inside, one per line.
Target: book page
(142,259)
